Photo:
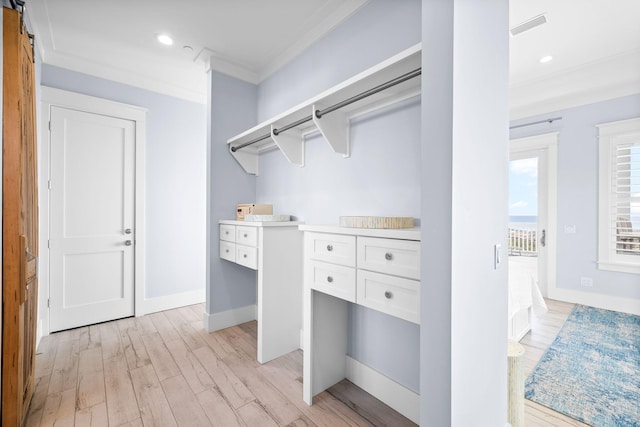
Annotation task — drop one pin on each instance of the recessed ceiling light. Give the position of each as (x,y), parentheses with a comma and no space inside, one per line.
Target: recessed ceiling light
(546,59)
(165,39)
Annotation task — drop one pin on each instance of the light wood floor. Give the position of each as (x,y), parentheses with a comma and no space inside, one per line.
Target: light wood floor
(543,331)
(164,369)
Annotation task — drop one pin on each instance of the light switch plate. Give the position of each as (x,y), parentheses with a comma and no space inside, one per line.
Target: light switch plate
(586,282)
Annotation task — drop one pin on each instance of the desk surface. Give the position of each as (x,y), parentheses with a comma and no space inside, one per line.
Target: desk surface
(392,233)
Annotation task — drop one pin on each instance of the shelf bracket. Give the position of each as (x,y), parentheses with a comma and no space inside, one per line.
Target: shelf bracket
(247,159)
(334,128)
(291,144)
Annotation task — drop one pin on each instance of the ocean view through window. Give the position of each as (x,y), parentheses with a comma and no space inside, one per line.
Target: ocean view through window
(523,207)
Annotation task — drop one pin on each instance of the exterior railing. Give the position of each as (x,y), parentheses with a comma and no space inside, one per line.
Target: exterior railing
(522,239)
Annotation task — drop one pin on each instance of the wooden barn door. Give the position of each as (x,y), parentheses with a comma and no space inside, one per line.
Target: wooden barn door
(19,221)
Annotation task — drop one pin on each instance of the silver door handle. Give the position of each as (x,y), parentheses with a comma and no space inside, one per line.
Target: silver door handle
(128,243)
(127,231)
(543,238)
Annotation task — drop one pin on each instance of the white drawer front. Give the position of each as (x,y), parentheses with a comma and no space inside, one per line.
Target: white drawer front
(333,248)
(397,257)
(228,251)
(247,235)
(392,295)
(247,256)
(332,279)
(228,232)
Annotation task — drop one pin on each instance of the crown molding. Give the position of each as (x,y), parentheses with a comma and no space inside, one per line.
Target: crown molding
(214,61)
(612,77)
(193,90)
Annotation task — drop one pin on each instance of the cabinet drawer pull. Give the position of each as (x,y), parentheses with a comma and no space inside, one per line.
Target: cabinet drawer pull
(226,250)
(244,256)
(388,256)
(388,295)
(329,279)
(329,248)
(245,235)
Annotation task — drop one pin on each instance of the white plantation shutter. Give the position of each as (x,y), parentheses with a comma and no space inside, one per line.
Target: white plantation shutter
(619,198)
(625,206)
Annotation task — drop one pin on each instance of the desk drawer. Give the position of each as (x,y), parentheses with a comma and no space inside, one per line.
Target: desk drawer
(228,251)
(390,256)
(392,295)
(331,279)
(247,256)
(228,232)
(333,248)
(247,235)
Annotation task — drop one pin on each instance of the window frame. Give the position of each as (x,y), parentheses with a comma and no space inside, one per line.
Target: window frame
(611,135)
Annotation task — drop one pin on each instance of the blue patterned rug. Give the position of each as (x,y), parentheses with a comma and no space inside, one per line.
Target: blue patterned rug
(591,371)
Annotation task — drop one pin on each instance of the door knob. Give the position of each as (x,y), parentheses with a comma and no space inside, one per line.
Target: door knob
(127,243)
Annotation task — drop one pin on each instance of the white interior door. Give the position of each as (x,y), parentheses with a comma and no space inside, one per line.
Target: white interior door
(92,195)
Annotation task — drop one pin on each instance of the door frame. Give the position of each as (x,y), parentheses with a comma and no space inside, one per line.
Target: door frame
(51,97)
(548,143)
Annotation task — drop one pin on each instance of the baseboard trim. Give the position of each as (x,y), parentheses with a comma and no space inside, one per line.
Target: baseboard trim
(168,302)
(39,333)
(216,321)
(606,302)
(397,396)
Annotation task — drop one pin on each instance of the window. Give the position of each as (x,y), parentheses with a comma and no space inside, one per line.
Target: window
(619,196)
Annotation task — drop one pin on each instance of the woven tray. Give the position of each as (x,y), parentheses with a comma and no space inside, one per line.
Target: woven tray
(263,218)
(376,221)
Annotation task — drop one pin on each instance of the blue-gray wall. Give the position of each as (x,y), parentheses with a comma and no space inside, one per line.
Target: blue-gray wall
(232,109)
(382,176)
(175,179)
(376,32)
(464,212)
(578,193)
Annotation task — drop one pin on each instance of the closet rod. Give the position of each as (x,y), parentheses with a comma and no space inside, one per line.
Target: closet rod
(551,120)
(320,113)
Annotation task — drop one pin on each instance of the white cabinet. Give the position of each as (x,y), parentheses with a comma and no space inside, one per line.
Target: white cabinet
(393,295)
(378,269)
(274,249)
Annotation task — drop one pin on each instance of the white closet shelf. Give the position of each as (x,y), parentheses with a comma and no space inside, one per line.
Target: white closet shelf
(333,125)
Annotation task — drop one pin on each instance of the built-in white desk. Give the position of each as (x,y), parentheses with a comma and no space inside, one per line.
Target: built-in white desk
(274,249)
(376,268)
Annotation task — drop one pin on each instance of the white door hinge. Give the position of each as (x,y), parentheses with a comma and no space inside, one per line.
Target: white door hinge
(49,126)
(48,302)
(49,184)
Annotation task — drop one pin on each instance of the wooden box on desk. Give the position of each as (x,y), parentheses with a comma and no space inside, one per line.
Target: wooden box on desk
(243,209)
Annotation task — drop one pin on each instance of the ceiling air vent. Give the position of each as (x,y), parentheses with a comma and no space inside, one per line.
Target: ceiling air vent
(529,24)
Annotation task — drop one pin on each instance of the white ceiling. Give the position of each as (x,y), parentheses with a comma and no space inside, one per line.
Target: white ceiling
(595,43)
(596,49)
